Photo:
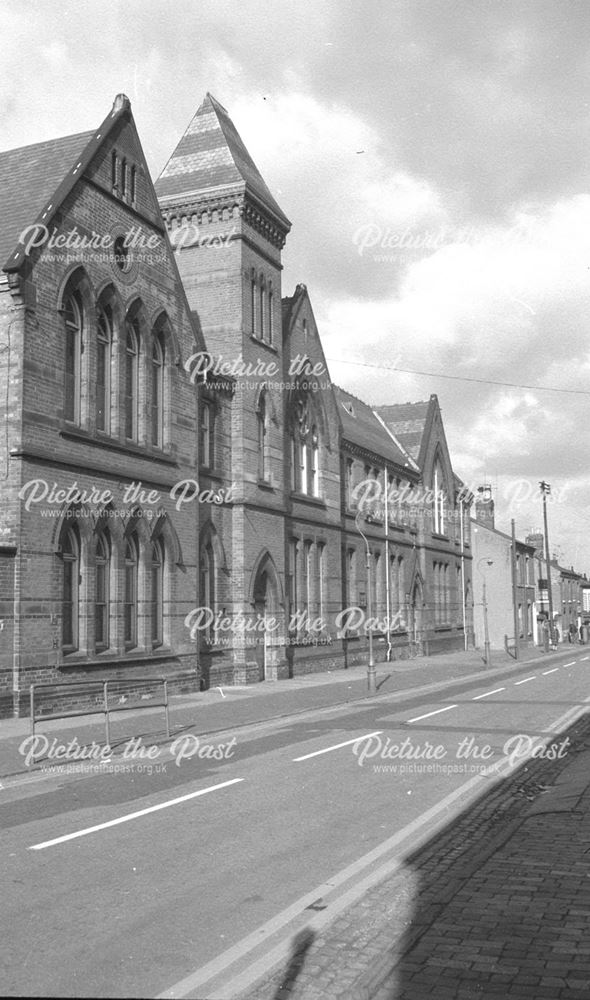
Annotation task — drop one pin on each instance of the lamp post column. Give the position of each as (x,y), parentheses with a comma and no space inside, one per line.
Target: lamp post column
(371,675)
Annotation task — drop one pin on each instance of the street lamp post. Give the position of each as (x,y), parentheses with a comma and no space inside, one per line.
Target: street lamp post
(486,634)
(545,489)
(371,676)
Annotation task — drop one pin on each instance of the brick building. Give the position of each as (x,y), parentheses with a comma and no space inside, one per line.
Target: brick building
(98,567)
(164,364)
(293,449)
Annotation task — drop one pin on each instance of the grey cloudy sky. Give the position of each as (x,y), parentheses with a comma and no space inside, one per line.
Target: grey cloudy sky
(432,156)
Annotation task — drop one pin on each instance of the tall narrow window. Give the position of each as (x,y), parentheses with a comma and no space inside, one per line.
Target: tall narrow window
(132,185)
(70,553)
(207,584)
(157,393)
(157,593)
(261,308)
(130,594)
(102,593)
(205,437)
(114,165)
(253,303)
(73,338)
(307,579)
(351,576)
(303,466)
(314,472)
(131,370)
(438,499)
(322,583)
(123,178)
(349,481)
(401,588)
(103,369)
(293,579)
(262,420)
(270,315)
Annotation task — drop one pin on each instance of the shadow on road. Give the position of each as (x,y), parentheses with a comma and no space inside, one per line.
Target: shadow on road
(302,942)
(496,904)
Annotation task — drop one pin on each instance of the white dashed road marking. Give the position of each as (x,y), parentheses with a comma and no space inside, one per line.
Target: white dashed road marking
(487,694)
(428,714)
(130,816)
(337,746)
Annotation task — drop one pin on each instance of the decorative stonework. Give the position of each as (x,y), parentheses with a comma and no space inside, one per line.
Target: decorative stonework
(223,207)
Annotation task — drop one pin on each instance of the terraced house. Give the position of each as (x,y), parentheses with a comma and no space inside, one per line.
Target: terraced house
(185,492)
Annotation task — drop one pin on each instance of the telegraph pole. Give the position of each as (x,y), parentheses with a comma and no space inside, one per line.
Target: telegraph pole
(515,594)
(545,490)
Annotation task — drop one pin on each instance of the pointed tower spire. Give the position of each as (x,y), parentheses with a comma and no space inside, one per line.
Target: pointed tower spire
(228,232)
(212,169)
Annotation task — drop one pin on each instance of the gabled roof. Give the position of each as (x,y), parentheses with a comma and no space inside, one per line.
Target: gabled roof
(34,180)
(407,421)
(211,155)
(29,176)
(361,426)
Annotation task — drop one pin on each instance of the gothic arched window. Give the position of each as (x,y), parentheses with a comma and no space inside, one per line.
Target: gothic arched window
(262,426)
(102,592)
(157,593)
(131,379)
(130,592)
(73,317)
(70,554)
(157,392)
(439,499)
(104,342)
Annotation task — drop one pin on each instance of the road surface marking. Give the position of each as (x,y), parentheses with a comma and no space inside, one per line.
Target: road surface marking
(550,671)
(428,714)
(272,942)
(337,746)
(586,657)
(487,694)
(531,678)
(130,816)
(572,664)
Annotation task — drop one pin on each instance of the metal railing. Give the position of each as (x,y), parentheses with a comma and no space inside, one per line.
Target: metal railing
(105,709)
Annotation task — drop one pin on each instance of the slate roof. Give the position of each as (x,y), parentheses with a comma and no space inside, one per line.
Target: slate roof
(362,427)
(407,422)
(211,155)
(29,177)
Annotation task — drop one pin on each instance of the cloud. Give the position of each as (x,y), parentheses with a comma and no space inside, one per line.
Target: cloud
(432,159)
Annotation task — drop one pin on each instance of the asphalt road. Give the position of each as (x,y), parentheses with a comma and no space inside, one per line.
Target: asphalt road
(125,883)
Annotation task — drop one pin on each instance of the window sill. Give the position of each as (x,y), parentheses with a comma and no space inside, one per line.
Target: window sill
(264,343)
(263,484)
(72,432)
(308,498)
(110,656)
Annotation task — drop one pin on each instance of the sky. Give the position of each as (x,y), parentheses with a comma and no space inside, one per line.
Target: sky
(433,159)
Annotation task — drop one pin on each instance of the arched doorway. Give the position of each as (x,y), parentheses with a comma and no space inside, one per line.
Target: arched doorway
(416,611)
(266,605)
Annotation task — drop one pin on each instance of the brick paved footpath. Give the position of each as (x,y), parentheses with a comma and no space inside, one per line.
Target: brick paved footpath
(498,906)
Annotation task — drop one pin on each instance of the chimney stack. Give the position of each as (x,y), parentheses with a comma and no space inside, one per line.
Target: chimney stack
(484,506)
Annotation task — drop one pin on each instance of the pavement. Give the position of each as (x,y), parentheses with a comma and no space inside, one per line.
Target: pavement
(230,708)
(496,905)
